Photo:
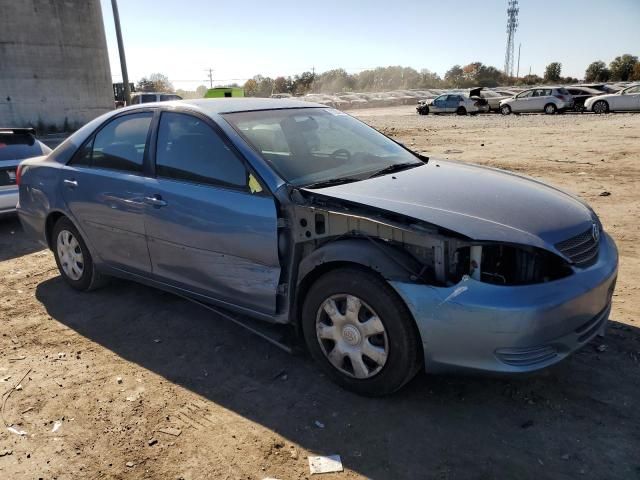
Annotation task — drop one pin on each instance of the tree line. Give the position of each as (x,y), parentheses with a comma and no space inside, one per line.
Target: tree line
(622,68)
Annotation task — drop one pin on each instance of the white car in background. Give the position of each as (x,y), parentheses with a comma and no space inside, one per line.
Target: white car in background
(625,100)
(549,100)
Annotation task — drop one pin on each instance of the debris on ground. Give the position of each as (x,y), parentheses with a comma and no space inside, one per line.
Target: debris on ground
(605,194)
(119,380)
(152,442)
(56,426)
(4,453)
(319,424)
(130,464)
(170,431)
(566,456)
(328,464)
(16,430)
(601,348)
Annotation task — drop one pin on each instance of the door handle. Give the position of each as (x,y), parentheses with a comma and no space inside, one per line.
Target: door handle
(70,183)
(156,201)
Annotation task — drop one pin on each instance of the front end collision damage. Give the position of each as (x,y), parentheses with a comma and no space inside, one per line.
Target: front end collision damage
(520,311)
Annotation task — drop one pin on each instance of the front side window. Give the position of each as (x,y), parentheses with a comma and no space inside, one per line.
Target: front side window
(190,150)
(119,145)
(526,94)
(632,90)
(314,145)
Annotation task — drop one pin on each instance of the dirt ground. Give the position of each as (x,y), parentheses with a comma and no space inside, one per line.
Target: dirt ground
(107,371)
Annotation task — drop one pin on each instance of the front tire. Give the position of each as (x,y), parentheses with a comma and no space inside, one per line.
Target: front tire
(360,332)
(601,107)
(73,257)
(505,110)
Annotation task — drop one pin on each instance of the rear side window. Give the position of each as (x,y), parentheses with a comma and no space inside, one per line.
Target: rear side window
(148,98)
(190,150)
(19,146)
(119,145)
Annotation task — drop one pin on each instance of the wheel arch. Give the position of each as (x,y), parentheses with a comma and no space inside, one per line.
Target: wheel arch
(50,221)
(378,258)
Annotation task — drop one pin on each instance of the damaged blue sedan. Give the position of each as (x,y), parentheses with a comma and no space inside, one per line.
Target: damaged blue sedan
(383,261)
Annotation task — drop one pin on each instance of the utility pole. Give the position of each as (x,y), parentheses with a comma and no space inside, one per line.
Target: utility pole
(123,60)
(518,71)
(210,76)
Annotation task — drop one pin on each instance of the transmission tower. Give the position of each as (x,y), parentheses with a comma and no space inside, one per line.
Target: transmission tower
(512,25)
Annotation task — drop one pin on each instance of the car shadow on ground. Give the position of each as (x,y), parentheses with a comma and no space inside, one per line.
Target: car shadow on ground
(578,417)
(14,242)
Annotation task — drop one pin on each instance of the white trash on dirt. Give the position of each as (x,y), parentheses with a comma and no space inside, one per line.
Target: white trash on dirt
(328,464)
(17,431)
(56,426)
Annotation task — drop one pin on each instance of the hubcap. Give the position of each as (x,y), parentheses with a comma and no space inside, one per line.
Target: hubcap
(352,336)
(70,255)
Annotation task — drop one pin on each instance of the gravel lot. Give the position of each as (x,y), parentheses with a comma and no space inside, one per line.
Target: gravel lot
(107,371)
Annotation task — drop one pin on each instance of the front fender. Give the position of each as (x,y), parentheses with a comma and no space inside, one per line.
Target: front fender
(390,262)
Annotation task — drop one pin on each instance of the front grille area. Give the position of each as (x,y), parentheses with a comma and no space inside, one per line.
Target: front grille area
(581,249)
(526,357)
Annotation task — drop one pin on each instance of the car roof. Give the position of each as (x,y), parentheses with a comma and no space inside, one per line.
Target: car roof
(216,106)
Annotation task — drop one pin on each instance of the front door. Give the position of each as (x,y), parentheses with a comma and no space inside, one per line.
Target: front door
(211,228)
(104,188)
(522,102)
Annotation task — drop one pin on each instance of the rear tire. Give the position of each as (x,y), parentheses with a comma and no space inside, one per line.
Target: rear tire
(601,107)
(73,258)
(505,110)
(461,111)
(550,109)
(351,313)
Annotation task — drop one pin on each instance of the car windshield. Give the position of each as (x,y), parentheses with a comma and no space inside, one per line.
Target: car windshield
(315,145)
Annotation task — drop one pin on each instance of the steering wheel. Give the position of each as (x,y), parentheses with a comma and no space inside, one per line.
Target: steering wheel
(341,153)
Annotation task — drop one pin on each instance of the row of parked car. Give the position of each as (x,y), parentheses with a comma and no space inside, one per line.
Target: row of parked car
(596,97)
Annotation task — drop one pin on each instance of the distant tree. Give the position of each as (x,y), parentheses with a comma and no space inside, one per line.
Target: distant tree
(156,82)
(531,80)
(454,76)
(201,91)
(250,87)
(552,72)
(429,79)
(569,80)
(597,72)
(280,85)
(622,67)
(635,75)
(302,83)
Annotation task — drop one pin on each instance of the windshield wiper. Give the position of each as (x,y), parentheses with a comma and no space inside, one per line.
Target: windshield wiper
(396,167)
(331,182)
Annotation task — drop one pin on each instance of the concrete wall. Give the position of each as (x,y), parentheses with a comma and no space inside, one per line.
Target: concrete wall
(54,66)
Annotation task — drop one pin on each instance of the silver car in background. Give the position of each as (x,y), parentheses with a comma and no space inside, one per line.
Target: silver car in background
(16,144)
(549,100)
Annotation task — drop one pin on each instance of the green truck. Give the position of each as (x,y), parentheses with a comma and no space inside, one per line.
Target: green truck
(222,92)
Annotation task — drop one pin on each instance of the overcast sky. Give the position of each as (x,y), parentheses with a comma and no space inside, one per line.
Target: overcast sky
(240,39)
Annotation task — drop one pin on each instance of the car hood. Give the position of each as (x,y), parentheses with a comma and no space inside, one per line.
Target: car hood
(480,203)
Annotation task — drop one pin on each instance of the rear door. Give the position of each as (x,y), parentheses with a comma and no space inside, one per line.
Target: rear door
(453,102)
(104,188)
(211,227)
